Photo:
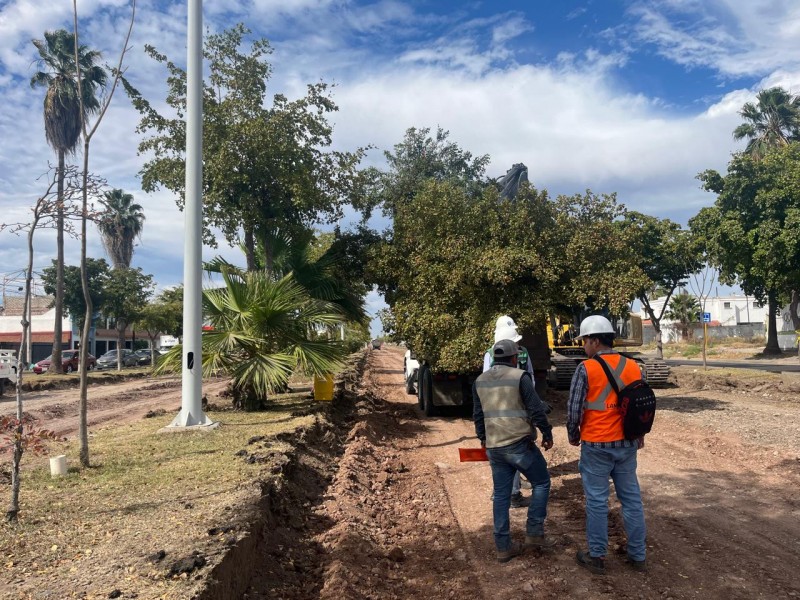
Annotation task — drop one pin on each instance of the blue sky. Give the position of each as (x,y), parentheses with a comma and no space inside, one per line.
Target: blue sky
(634,97)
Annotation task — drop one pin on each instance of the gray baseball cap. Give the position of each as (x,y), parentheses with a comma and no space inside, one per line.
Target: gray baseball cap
(505,349)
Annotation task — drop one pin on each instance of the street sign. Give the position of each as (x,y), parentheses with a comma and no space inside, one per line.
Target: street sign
(706,317)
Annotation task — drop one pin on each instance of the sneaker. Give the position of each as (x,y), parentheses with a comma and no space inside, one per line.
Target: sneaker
(539,541)
(595,564)
(637,565)
(518,500)
(503,556)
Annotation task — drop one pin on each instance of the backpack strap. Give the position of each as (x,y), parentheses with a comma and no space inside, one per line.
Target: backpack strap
(613,378)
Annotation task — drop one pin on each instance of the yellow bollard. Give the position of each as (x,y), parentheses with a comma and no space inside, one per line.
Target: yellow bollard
(323,387)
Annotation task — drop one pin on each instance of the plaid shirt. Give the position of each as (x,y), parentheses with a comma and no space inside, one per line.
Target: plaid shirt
(578,390)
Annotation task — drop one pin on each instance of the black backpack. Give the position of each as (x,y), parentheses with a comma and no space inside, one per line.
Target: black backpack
(637,403)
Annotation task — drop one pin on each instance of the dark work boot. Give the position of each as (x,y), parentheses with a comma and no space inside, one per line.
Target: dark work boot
(518,500)
(637,565)
(503,556)
(595,564)
(539,541)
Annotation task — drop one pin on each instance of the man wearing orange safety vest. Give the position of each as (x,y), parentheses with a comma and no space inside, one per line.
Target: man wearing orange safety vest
(594,423)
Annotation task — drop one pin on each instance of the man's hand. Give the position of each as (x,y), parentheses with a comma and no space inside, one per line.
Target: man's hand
(547,444)
(575,443)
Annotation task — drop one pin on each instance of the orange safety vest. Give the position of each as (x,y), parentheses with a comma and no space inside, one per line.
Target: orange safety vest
(602,421)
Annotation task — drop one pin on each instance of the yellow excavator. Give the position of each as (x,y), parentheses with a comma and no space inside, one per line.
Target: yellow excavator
(567,351)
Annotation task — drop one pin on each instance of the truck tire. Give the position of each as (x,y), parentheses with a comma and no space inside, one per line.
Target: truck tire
(426,384)
(420,399)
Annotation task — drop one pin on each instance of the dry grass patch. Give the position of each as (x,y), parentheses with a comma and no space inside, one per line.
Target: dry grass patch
(97,529)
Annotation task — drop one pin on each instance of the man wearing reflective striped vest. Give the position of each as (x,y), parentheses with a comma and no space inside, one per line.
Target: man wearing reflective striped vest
(594,423)
(506,329)
(506,408)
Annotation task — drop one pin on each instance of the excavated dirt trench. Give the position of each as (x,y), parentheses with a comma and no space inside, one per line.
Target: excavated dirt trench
(375,505)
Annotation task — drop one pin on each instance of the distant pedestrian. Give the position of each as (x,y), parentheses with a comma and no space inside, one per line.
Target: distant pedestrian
(594,423)
(506,408)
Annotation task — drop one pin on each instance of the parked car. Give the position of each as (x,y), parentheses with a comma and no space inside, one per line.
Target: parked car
(143,356)
(109,359)
(69,361)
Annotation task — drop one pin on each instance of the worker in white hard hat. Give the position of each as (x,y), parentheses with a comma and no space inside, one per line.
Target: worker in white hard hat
(594,422)
(506,329)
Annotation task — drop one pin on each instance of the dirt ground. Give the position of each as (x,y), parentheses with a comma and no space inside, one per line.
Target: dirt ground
(404,519)
(380,508)
(109,404)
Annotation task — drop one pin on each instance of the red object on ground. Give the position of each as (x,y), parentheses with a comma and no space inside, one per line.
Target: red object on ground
(472,454)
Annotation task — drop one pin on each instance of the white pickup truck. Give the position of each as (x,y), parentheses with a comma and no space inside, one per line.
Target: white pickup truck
(410,369)
(8,369)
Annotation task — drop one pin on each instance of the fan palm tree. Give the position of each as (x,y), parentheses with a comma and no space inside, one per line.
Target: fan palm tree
(120,224)
(773,121)
(684,309)
(294,254)
(62,126)
(259,335)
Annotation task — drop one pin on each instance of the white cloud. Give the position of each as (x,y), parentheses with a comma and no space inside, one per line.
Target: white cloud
(736,38)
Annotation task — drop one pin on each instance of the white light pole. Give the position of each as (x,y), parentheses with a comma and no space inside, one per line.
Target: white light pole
(192,385)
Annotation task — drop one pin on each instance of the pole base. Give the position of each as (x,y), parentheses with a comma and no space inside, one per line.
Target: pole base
(185,419)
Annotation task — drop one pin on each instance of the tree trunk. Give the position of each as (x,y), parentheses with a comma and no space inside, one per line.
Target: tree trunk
(120,342)
(772,326)
(795,317)
(55,363)
(24,349)
(250,249)
(659,341)
(83,410)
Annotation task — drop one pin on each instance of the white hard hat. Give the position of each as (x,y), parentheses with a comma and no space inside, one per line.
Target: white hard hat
(504,321)
(506,333)
(595,325)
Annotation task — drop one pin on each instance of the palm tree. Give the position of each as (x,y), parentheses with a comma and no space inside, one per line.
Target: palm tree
(685,310)
(295,254)
(119,226)
(770,123)
(62,127)
(259,334)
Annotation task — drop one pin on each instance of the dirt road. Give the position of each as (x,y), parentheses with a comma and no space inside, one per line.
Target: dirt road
(108,404)
(720,473)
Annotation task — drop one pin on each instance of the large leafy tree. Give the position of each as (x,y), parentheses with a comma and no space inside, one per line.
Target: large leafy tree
(126,293)
(74,302)
(63,107)
(596,258)
(421,157)
(667,255)
(772,122)
(457,261)
(752,231)
(265,167)
(260,333)
(120,224)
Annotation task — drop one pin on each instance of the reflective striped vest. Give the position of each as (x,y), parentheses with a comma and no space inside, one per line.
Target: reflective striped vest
(602,421)
(504,413)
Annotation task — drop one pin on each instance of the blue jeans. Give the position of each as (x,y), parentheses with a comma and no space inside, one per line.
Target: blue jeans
(596,466)
(525,457)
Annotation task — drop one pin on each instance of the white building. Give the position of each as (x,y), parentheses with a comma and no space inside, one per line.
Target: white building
(725,311)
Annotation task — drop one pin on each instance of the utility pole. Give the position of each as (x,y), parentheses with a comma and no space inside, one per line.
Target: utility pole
(191,414)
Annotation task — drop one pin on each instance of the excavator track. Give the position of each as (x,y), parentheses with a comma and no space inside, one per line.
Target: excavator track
(654,370)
